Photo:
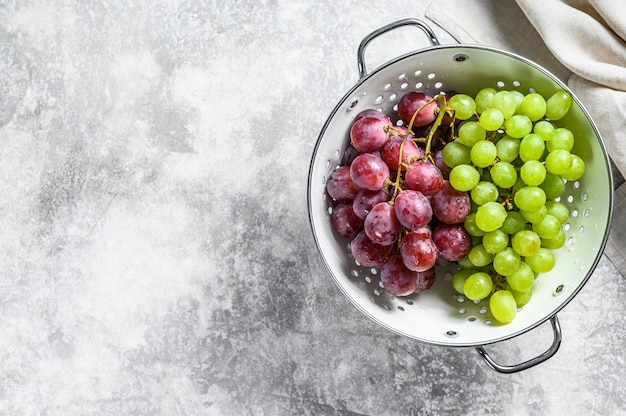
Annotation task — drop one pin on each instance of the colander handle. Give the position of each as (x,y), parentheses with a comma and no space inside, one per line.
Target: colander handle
(404,22)
(556,328)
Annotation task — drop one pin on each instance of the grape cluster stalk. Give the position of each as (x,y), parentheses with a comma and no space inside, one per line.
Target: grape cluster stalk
(474,181)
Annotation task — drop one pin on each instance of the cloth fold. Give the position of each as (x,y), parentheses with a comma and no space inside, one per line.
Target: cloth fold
(582,42)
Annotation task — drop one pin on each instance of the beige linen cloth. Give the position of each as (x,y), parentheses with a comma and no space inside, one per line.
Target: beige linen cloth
(583,42)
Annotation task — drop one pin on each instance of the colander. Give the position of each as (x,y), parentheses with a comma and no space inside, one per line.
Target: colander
(440,316)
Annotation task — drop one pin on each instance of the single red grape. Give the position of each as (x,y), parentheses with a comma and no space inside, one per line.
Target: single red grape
(368,134)
(340,185)
(382,225)
(396,278)
(424,177)
(452,241)
(411,102)
(369,171)
(368,253)
(345,221)
(449,205)
(418,250)
(413,209)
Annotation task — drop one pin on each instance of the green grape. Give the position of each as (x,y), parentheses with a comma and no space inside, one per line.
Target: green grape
(521,279)
(464,177)
(533,106)
(576,171)
(507,148)
(471,132)
(505,102)
(533,173)
(513,223)
(521,298)
(531,147)
(455,153)
(559,161)
(557,210)
(495,241)
(518,126)
(490,216)
(558,105)
(484,98)
(503,306)
(479,256)
(541,262)
(503,174)
(529,198)
(518,97)
(471,227)
(478,286)
(491,119)
(556,242)
(506,262)
(553,186)
(484,192)
(459,278)
(526,243)
(535,216)
(547,228)
(561,139)
(544,129)
(483,153)
(463,105)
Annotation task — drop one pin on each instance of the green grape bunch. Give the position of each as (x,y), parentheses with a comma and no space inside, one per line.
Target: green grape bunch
(513,160)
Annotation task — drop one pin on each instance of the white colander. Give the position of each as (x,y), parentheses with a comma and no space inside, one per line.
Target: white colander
(440,316)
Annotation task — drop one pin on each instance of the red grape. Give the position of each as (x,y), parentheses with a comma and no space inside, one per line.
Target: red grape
(424,177)
(365,200)
(369,171)
(340,185)
(368,253)
(413,209)
(411,102)
(452,240)
(449,205)
(368,134)
(345,221)
(382,225)
(425,280)
(390,152)
(418,250)
(396,278)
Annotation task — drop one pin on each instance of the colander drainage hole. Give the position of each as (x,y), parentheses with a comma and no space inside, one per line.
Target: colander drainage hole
(452,334)
(471,318)
(461,57)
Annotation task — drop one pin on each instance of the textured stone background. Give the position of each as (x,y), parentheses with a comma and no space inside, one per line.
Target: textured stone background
(155,251)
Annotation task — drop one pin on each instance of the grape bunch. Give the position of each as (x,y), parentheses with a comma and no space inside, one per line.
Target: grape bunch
(471,180)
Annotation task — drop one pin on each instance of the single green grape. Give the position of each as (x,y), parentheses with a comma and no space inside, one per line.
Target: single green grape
(553,185)
(533,106)
(558,210)
(505,102)
(535,216)
(513,223)
(529,198)
(533,173)
(521,279)
(531,147)
(576,171)
(491,119)
(479,256)
(544,129)
(495,241)
(471,132)
(463,105)
(506,262)
(503,306)
(541,262)
(504,174)
(555,243)
(484,192)
(483,153)
(559,162)
(558,105)
(490,216)
(484,98)
(507,148)
(464,177)
(526,243)
(547,228)
(478,286)
(455,153)
(562,138)
(518,126)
